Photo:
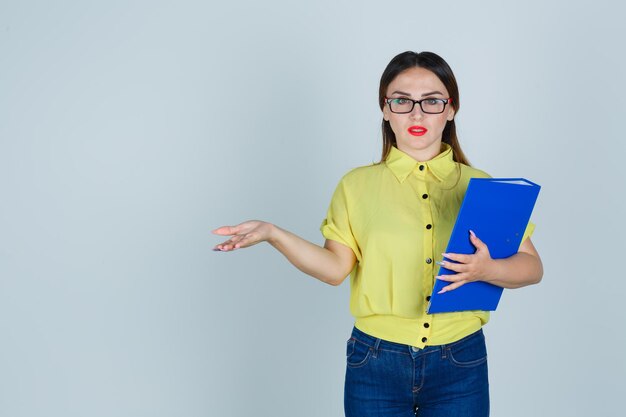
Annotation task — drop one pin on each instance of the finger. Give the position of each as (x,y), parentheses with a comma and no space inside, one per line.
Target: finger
(453,266)
(225,230)
(451,287)
(452,277)
(240,241)
(222,247)
(447,278)
(229,244)
(459,257)
(479,244)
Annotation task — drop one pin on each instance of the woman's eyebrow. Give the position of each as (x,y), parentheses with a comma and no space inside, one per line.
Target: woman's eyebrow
(423,95)
(401,93)
(431,93)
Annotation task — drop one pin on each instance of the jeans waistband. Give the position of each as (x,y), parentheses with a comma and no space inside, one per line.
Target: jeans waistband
(377,343)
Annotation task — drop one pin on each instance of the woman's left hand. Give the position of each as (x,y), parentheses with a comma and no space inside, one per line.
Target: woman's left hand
(476,267)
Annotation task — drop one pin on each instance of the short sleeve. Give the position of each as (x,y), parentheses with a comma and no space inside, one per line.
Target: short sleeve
(530,228)
(336,226)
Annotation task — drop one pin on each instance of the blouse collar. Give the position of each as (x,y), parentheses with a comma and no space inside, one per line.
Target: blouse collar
(401,164)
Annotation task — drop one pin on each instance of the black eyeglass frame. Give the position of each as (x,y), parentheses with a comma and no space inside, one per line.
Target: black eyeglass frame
(444,100)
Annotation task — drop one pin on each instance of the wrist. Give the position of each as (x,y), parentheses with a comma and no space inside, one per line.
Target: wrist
(273,234)
(494,271)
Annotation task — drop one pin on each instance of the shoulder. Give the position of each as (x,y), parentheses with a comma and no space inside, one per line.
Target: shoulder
(363,175)
(468,172)
(357,184)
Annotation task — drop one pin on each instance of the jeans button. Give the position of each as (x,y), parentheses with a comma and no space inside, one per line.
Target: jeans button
(414,349)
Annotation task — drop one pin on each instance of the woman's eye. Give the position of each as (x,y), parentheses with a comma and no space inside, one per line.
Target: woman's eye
(401,101)
(432,101)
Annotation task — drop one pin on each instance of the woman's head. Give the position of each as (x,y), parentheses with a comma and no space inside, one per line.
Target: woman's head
(418,76)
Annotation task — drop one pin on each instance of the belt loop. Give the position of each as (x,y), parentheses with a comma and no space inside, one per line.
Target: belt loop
(444,351)
(375,348)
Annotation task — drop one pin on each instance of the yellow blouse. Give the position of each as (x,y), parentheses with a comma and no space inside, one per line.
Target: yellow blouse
(397,217)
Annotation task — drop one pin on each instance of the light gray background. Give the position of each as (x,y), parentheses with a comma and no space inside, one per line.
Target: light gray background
(130,129)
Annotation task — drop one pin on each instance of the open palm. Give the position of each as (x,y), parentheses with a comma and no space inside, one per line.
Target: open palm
(243,235)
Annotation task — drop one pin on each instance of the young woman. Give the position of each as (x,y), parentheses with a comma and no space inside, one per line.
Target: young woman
(386,225)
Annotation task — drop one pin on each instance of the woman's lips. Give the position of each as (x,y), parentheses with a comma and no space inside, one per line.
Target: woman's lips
(417,130)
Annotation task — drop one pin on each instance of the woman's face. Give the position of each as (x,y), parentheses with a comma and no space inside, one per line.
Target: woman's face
(418,83)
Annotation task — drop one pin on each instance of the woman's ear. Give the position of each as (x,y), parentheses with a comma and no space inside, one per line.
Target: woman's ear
(451,114)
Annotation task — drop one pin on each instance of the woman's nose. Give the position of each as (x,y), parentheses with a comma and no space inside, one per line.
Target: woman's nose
(416,113)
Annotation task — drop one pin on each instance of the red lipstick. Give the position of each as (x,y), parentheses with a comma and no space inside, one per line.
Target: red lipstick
(417,130)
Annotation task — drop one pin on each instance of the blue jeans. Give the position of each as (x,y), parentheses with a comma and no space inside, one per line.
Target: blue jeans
(387,379)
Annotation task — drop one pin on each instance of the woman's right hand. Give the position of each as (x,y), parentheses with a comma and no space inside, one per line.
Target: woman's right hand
(330,264)
(243,235)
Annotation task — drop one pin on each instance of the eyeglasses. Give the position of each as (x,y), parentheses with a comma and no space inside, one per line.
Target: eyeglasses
(428,105)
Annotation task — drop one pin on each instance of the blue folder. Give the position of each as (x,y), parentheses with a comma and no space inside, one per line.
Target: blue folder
(498,211)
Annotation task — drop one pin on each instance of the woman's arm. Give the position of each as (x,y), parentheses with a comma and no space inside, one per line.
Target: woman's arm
(330,264)
(522,269)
